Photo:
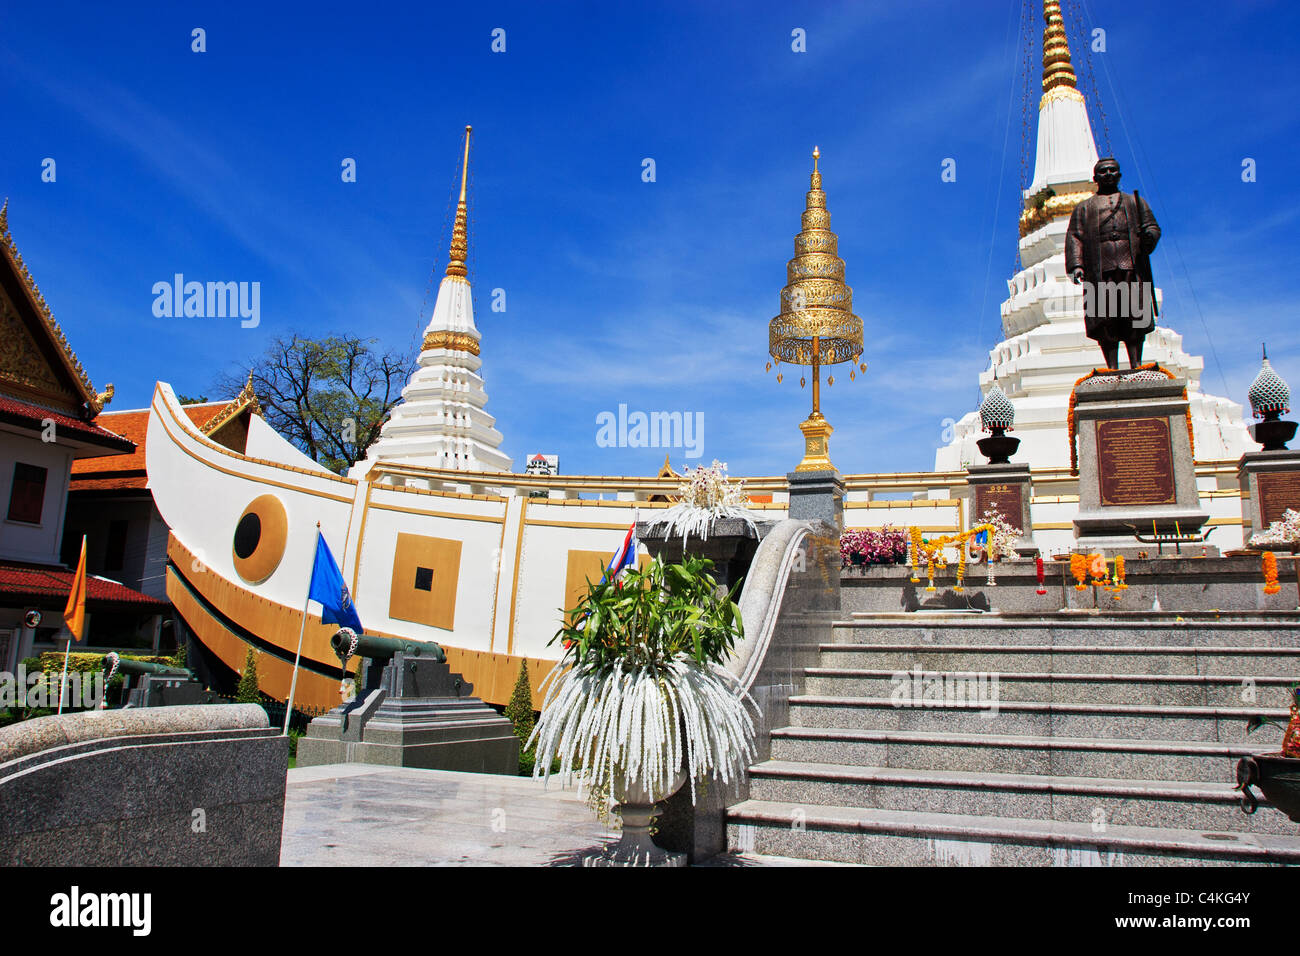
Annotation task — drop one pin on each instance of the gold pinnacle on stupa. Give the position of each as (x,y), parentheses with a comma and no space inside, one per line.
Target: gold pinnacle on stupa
(459,231)
(816,325)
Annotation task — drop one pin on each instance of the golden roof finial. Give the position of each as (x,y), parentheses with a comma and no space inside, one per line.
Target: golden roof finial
(459,241)
(816,325)
(4,218)
(1057,70)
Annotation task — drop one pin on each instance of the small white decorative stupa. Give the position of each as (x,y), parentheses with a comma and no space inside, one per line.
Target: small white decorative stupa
(1044,350)
(1269,392)
(997,411)
(441,422)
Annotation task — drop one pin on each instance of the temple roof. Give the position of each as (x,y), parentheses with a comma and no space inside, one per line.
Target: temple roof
(48,585)
(38,364)
(128,471)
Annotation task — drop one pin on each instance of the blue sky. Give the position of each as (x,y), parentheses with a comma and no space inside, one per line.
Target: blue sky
(225,166)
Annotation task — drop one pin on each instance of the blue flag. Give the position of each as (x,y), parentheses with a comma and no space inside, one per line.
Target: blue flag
(328,588)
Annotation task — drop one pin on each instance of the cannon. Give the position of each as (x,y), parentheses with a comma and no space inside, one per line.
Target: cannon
(159,684)
(148,667)
(410,710)
(382,648)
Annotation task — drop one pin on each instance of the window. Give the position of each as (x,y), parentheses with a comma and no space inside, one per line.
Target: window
(27,496)
(115,552)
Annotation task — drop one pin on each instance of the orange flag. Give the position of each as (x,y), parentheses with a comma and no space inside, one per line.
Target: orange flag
(74,615)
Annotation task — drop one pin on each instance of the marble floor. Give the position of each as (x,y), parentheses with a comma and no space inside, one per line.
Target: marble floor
(365,815)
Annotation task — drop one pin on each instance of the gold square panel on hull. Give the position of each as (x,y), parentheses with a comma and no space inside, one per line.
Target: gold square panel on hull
(584,566)
(425,574)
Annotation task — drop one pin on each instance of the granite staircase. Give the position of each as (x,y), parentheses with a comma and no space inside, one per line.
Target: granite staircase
(1107,740)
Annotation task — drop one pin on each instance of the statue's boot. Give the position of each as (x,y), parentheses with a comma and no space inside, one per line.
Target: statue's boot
(1134,353)
(1110,352)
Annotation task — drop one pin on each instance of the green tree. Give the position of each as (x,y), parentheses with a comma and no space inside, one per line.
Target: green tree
(247,692)
(191,399)
(328,396)
(520,709)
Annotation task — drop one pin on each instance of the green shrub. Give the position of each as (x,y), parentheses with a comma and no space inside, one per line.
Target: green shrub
(520,709)
(247,692)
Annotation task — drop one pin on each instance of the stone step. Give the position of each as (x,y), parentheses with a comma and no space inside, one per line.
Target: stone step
(1111,757)
(1033,718)
(1076,659)
(1064,629)
(1102,803)
(1185,689)
(918,838)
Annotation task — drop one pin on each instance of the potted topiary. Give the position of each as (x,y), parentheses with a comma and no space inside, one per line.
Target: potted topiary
(639,704)
(1276,774)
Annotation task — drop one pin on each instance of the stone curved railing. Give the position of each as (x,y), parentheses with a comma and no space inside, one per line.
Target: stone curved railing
(790,598)
(46,733)
(762,596)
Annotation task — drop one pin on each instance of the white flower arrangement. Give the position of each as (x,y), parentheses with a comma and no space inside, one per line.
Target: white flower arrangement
(1005,534)
(645,723)
(1283,532)
(707,495)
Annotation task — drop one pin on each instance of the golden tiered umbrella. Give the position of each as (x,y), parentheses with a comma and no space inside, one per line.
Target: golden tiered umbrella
(816,325)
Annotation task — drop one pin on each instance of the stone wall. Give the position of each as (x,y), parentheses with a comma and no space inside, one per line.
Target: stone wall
(165,786)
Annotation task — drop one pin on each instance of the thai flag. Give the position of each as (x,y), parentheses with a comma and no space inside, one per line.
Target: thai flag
(624,557)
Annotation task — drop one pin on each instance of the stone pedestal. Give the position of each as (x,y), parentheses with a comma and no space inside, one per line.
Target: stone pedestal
(1270,484)
(417,714)
(1009,488)
(817,496)
(1136,469)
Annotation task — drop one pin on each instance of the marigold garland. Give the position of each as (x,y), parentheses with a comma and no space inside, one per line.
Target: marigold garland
(1270,573)
(1071,424)
(1079,568)
(932,553)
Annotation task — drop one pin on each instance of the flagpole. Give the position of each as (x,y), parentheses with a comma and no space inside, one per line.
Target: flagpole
(293,683)
(63,679)
(74,616)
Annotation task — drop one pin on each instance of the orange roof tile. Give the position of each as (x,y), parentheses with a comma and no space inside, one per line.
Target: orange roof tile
(132,425)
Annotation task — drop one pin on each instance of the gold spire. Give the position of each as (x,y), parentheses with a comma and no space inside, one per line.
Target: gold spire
(816,325)
(459,243)
(1057,70)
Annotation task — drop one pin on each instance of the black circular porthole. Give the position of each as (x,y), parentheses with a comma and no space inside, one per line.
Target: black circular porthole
(259,539)
(247,535)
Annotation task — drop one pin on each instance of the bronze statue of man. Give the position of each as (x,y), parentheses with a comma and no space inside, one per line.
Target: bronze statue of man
(1108,248)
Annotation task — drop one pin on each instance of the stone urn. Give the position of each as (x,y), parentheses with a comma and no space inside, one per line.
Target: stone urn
(638,807)
(731,545)
(1278,778)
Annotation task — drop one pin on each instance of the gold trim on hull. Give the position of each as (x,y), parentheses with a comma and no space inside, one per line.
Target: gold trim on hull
(492,674)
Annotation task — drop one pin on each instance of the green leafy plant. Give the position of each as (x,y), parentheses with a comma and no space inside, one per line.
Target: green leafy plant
(652,615)
(639,698)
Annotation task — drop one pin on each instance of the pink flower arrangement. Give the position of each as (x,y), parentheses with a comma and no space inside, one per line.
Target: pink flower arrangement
(885,545)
